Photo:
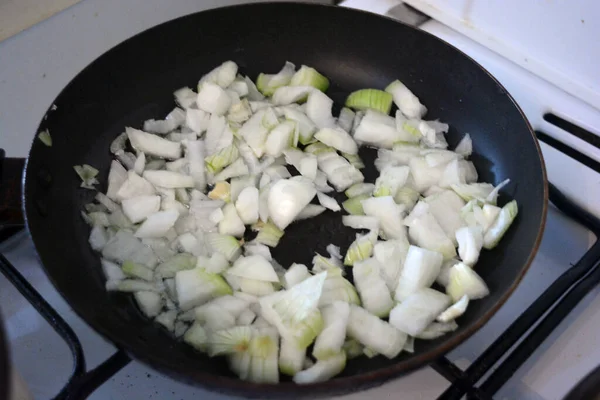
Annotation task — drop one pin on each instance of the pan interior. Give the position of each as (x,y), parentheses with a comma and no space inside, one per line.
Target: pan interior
(135,81)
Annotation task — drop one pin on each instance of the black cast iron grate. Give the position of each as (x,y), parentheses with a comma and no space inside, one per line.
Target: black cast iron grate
(517,342)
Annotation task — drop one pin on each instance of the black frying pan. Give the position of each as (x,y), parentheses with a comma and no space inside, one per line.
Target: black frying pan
(135,80)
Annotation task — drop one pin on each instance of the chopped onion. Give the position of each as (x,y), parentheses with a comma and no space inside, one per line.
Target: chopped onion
(287,198)
(152,144)
(406,101)
(370,99)
(464,281)
(418,310)
(307,76)
(338,139)
(167,226)
(375,333)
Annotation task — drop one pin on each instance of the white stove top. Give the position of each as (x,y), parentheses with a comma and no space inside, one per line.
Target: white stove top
(43,359)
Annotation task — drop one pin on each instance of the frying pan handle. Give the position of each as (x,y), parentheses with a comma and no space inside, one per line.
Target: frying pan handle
(11,214)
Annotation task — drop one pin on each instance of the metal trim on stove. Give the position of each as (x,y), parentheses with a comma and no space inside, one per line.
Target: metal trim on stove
(81,383)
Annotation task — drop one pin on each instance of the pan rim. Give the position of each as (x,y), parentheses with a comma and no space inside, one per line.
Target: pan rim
(340,384)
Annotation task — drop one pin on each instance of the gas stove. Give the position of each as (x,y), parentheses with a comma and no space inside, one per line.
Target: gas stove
(537,347)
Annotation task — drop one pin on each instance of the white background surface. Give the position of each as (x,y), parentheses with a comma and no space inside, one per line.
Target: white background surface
(555,39)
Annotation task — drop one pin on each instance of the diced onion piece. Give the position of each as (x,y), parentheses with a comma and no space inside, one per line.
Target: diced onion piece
(307,76)
(196,286)
(254,287)
(328,202)
(150,303)
(436,330)
(167,319)
(194,152)
(418,310)
(322,370)
(224,244)
(295,274)
(426,232)
(221,159)
(318,109)
(465,146)
(237,168)
(125,246)
(130,286)
(196,337)
(178,262)
(470,242)
(499,227)
(493,196)
(375,333)
(374,293)
(354,160)
(294,311)
(280,138)
(420,270)
(112,271)
(139,208)
(223,75)
(346,119)
(254,267)
(377,129)
(390,180)
(353,206)
(153,145)
(338,139)
(331,339)
(455,310)
(231,224)
(464,281)
(45,137)
(157,224)
(247,205)
(267,84)
(137,270)
(291,357)
(445,207)
(87,174)
(255,133)
(360,189)
(306,127)
(213,99)
(473,191)
(406,101)
(229,341)
(310,211)
(116,177)
(169,179)
(361,248)
(291,94)
(221,191)
(287,198)
(337,288)
(391,254)
(269,234)
(423,175)
(370,99)
(389,215)
(361,222)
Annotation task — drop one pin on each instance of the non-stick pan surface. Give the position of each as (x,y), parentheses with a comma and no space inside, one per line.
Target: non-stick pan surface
(135,80)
